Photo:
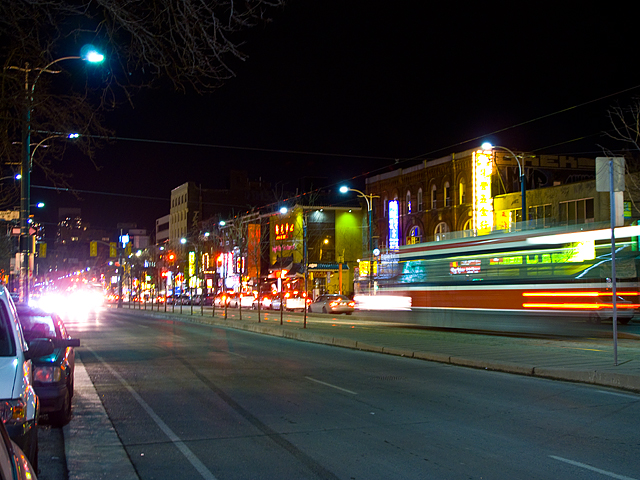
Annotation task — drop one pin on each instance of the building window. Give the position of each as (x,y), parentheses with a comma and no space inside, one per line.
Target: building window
(386,204)
(420,200)
(462,190)
(408,202)
(541,215)
(415,236)
(433,197)
(576,212)
(447,194)
(440,231)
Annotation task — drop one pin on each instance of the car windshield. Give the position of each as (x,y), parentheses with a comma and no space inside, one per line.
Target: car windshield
(38,326)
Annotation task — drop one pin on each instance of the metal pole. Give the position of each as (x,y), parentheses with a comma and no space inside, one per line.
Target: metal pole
(612,201)
(523,190)
(370,245)
(25,186)
(306,266)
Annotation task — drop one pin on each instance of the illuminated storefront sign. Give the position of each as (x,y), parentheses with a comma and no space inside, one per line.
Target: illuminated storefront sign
(192,263)
(284,231)
(394,226)
(482,201)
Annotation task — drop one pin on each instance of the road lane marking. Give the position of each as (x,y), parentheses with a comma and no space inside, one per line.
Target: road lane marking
(179,444)
(332,386)
(593,469)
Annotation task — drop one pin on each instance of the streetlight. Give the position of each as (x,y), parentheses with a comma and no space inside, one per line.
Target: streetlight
(87,53)
(523,184)
(14,177)
(369,199)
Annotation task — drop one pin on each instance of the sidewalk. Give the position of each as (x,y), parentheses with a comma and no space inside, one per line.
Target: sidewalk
(585,360)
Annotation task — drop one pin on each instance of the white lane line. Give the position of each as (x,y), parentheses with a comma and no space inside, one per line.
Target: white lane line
(633,397)
(190,456)
(593,469)
(332,386)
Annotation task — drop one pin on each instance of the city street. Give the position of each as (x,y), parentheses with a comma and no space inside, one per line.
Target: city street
(201,401)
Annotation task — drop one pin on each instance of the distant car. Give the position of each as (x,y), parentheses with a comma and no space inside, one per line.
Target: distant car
(208,299)
(623,312)
(14,464)
(19,404)
(265,302)
(53,375)
(332,303)
(228,299)
(246,301)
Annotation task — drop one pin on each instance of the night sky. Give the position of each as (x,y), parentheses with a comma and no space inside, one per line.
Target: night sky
(346,89)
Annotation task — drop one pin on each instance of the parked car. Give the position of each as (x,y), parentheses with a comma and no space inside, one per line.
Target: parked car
(14,464)
(19,404)
(332,303)
(53,374)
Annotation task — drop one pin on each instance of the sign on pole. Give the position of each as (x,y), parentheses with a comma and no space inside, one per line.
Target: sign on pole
(610,178)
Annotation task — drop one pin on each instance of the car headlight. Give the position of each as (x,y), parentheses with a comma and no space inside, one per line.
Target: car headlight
(48,374)
(13,411)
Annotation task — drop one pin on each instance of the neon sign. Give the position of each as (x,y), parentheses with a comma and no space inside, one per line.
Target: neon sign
(482,201)
(394,235)
(284,231)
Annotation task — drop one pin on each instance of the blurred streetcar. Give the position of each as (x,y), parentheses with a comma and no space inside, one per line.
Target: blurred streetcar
(502,277)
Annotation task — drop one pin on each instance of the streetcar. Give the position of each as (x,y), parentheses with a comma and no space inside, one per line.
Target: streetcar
(550,273)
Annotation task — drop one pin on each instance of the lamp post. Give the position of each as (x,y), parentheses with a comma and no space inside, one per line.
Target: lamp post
(523,184)
(369,199)
(88,53)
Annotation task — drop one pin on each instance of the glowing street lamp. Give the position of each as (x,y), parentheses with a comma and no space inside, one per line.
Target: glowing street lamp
(369,199)
(88,53)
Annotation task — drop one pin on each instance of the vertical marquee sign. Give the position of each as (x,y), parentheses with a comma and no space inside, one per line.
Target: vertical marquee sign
(482,201)
(394,225)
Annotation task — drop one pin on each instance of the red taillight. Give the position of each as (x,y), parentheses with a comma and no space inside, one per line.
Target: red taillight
(334,303)
(352,304)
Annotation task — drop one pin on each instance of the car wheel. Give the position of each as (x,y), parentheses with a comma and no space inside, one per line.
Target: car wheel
(309,310)
(62,416)
(623,321)
(348,313)
(324,309)
(595,318)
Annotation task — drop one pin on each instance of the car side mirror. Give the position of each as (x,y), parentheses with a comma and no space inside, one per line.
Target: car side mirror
(39,347)
(67,342)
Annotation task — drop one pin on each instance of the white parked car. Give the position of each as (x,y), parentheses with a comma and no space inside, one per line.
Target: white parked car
(19,405)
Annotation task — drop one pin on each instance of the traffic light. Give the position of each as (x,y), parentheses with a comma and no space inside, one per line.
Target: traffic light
(93,249)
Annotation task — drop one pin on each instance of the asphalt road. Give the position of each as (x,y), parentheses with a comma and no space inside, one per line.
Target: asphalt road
(198,401)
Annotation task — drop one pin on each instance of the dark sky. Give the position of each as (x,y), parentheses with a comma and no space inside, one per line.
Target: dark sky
(338,89)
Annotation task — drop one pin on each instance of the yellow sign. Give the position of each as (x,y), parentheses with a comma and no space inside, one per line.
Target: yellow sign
(43,250)
(93,249)
(482,201)
(192,263)
(113,251)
